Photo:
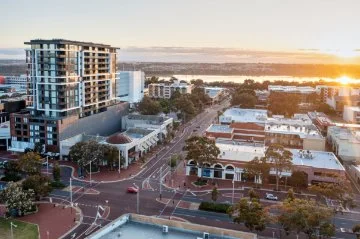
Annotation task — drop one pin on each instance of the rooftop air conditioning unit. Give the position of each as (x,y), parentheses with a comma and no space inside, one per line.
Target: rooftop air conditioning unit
(165,229)
(206,235)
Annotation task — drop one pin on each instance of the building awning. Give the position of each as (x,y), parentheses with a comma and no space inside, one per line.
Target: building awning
(141,147)
(19,150)
(148,143)
(153,140)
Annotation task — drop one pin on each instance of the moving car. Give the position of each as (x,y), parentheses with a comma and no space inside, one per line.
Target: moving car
(270,196)
(132,190)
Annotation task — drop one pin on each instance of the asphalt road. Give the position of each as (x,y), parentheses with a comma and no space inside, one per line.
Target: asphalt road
(114,195)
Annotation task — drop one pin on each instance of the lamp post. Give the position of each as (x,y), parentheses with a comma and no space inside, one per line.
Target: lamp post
(119,160)
(233,189)
(47,165)
(90,173)
(11,229)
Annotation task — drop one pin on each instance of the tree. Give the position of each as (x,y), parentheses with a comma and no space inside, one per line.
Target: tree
(12,170)
(253,194)
(38,184)
(38,148)
(197,82)
(147,106)
(244,100)
(340,191)
(327,230)
(301,215)
(251,213)
(111,155)
(17,199)
(288,107)
(258,167)
(290,195)
(84,152)
(30,163)
(325,108)
(214,194)
(280,159)
(56,172)
(173,161)
(165,106)
(202,150)
(185,106)
(298,179)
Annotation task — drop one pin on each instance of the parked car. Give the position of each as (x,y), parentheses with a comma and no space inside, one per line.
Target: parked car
(132,190)
(270,196)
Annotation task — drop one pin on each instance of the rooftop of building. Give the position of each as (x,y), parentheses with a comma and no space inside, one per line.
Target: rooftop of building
(297,119)
(131,226)
(348,98)
(353,108)
(244,115)
(304,131)
(245,152)
(351,135)
(316,159)
(290,88)
(130,135)
(239,151)
(216,128)
(151,119)
(64,41)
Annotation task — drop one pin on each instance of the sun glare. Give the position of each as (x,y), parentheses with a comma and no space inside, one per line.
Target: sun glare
(344,80)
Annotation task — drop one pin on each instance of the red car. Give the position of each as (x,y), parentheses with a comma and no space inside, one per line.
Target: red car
(132,190)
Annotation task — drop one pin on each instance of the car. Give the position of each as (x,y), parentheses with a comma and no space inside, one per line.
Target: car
(199,126)
(194,130)
(132,190)
(270,196)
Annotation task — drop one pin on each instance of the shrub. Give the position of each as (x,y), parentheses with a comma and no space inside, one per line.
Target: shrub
(214,207)
(57,184)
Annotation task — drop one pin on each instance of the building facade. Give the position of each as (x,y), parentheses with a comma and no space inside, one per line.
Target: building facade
(345,142)
(68,81)
(21,80)
(165,90)
(351,114)
(130,86)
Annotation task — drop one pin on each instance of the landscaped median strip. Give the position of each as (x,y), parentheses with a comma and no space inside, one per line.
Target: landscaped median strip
(23,230)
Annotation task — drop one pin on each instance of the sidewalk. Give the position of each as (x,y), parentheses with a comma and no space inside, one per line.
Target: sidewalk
(51,226)
(107,175)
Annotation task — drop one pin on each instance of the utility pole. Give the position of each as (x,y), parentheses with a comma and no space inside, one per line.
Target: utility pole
(47,166)
(71,198)
(90,173)
(232,198)
(137,201)
(119,160)
(160,182)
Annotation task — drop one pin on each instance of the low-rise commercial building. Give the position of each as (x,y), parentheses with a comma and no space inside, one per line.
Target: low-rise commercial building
(319,166)
(292,89)
(21,80)
(239,115)
(297,132)
(216,94)
(165,90)
(139,135)
(345,142)
(351,114)
(321,121)
(130,86)
(243,132)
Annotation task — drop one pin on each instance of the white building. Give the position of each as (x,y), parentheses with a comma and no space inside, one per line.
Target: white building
(165,90)
(351,114)
(339,96)
(292,89)
(130,86)
(345,142)
(238,115)
(297,132)
(215,93)
(319,166)
(142,132)
(21,81)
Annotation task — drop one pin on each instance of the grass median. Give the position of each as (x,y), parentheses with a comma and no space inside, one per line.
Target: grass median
(22,231)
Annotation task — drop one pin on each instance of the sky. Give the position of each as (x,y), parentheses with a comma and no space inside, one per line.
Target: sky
(285,31)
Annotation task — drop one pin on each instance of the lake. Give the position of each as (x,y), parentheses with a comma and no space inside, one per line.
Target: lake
(242,78)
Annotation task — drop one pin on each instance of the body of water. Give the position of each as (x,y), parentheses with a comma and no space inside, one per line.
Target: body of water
(242,78)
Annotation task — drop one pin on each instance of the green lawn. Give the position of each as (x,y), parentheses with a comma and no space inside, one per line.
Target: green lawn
(22,231)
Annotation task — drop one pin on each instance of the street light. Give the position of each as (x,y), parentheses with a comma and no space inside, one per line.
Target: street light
(11,229)
(119,159)
(47,166)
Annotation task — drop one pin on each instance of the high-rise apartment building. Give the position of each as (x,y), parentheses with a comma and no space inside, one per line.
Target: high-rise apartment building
(130,86)
(68,81)
(165,90)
